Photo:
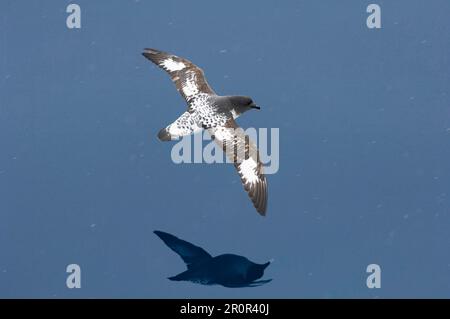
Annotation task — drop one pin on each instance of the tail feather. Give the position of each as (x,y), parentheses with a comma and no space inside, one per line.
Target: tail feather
(180,277)
(174,278)
(164,135)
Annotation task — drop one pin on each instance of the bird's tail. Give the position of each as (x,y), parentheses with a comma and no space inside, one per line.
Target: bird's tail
(180,277)
(164,135)
(174,278)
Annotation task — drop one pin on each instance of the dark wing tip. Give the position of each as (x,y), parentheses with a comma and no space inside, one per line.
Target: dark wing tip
(164,236)
(258,195)
(154,55)
(257,190)
(151,51)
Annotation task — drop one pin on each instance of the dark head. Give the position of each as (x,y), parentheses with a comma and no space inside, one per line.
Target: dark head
(242,104)
(256,271)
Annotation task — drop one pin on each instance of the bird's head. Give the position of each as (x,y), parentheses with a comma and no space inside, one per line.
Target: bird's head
(256,271)
(242,104)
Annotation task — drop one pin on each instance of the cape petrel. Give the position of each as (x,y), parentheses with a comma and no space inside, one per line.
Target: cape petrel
(228,270)
(217,114)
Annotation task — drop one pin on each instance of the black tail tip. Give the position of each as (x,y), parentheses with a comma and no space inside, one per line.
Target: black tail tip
(164,135)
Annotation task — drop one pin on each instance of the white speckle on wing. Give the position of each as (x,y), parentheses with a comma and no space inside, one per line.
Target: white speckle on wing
(201,102)
(223,134)
(172,65)
(248,170)
(190,87)
(184,125)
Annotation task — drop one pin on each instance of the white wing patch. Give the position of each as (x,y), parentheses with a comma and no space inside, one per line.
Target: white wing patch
(248,169)
(172,65)
(223,134)
(244,153)
(204,113)
(189,86)
(189,79)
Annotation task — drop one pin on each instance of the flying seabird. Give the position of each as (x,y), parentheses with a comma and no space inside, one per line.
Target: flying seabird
(217,114)
(228,270)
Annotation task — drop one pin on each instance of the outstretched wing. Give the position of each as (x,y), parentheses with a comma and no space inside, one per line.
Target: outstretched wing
(245,156)
(189,79)
(188,252)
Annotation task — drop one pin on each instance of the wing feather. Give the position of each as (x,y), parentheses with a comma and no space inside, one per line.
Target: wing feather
(245,156)
(189,79)
(190,253)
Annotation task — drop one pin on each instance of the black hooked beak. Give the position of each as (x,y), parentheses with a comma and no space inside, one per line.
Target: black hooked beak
(254,106)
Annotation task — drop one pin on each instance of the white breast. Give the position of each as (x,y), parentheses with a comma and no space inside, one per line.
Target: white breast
(234,113)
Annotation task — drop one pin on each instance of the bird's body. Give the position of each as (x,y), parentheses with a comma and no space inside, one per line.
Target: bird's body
(205,111)
(228,270)
(217,114)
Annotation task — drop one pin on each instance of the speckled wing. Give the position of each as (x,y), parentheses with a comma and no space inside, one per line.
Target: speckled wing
(189,79)
(245,156)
